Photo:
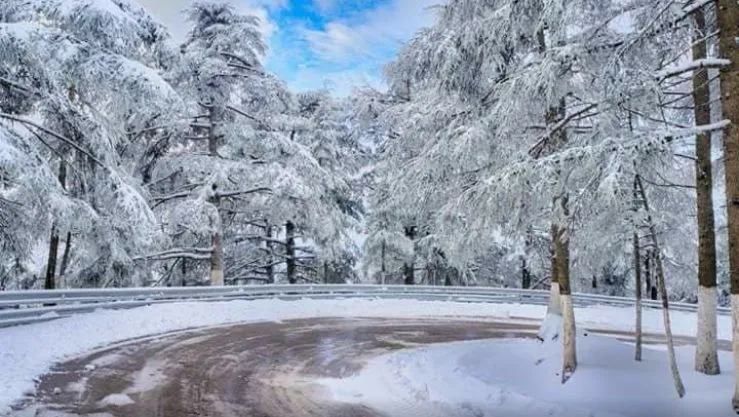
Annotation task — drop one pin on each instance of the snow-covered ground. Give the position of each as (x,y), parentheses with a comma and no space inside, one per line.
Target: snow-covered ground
(27,352)
(520,377)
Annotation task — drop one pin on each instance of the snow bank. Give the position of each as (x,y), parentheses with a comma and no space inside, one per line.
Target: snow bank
(517,377)
(29,351)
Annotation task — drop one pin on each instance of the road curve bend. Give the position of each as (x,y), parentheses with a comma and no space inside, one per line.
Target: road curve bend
(254,370)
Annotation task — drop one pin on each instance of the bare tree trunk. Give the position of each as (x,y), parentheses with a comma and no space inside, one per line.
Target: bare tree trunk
(50,281)
(660,275)
(552,321)
(216,260)
(648,272)
(290,252)
(383,271)
(65,261)
(706,353)
(68,242)
(569,331)
(728,26)
(183,270)
(525,273)
(270,268)
(637,273)
(409,266)
(637,276)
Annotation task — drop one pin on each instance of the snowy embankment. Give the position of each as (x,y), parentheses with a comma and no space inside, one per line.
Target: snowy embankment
(520,377)
(27,352)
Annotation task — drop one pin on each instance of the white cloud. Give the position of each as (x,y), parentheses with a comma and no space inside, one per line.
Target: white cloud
(341,82)
(370,33)
(170,13)
(325,6)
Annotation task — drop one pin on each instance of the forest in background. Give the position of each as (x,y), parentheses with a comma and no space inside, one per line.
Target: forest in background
(127,159)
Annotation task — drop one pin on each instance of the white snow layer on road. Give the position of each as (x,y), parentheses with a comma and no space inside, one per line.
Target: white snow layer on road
(27,352)
(521,377)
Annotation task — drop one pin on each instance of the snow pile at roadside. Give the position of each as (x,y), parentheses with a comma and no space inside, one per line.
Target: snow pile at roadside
(29,351)
(517,377)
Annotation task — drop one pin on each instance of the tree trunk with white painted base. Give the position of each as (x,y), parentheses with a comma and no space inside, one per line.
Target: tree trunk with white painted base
(569,331)
(660,276)
(552,323)
(728,26)
(706,354)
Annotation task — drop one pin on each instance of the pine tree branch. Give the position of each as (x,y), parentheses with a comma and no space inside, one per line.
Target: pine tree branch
(30,124)
(189,253)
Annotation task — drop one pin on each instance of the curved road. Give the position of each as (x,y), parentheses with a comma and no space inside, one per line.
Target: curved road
(255,370)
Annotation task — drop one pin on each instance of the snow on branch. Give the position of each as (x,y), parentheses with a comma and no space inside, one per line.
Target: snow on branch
(189,253)
(596,151)
(160,200)
(692,66)
(691,8)
(537,149)
(185,194)
(30,124)
(15,85)
(261,124)
(228,194)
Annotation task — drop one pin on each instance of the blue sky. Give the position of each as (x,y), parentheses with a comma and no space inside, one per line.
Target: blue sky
(340,44)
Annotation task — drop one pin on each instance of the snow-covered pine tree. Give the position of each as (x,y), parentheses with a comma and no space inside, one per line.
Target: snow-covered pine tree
(62,58)
(206,176)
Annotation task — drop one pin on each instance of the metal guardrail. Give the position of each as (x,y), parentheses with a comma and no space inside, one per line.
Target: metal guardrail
(24,307)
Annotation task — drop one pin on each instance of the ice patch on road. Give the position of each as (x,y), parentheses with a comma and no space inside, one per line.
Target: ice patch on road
(149,377)
(104,361)
(520,377)
(116,399)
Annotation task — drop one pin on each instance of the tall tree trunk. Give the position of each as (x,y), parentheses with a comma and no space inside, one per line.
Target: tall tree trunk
(383,270)
(648,272)
(68,242)
(637,275)
(50,281)
(183,270)
(552,321)
(65,261)
(270,268)
(569,331)
(706,353)
(525,273)
(638,285)
(409,266)
(660,276)
(728,26)
(216,260)
(290,252)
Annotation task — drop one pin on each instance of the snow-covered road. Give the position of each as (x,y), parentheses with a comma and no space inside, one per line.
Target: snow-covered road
(30,351)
